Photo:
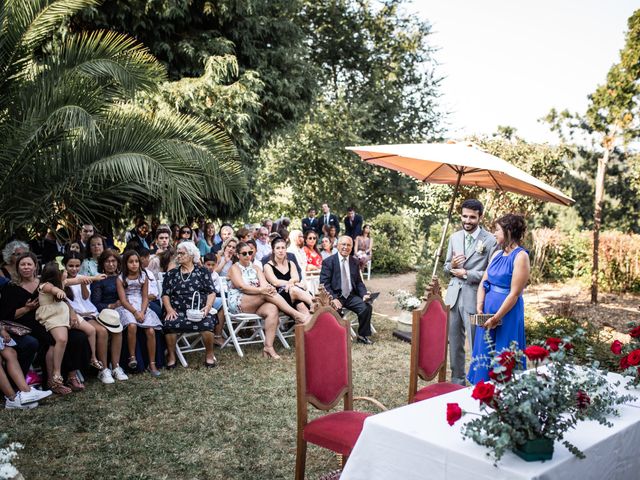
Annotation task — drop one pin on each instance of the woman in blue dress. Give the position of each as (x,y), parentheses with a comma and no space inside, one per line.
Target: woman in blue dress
(500,294)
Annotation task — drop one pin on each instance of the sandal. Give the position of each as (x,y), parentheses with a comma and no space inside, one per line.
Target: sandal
(133,363)
(56,384)
(154,373)
(74,383)
(97,364)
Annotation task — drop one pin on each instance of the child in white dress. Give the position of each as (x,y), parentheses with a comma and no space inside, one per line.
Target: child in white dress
(133,292)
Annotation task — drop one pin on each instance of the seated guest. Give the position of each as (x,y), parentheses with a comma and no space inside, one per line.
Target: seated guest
(161,244)
(332,233)
(19,303)
(255,262)
(263,244)
(86,232)
(352,223)
(364,246)
(154,291)
(210,263)
(208,239)
(326,249)
(296,244)
(175,233)
(314,259)
(9,255)
(137,221)
(104,295)
(290,256)
(178,288)
(341,278)
(226,231)
(282,222)
(141,233)
(250,292)
(243,234)
(95,247)
(167,260)
(268,224)
(226,256)
(282,274)
(186,234)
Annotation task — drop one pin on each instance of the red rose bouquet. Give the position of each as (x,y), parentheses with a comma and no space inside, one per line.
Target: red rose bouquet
(539,405)
(629,354)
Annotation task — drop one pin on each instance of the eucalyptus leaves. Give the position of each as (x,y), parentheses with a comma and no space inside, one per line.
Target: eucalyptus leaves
(544,402)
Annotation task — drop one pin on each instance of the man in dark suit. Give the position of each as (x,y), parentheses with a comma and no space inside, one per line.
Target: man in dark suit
(328,219)
(340,276)
(311,222)
(352,223)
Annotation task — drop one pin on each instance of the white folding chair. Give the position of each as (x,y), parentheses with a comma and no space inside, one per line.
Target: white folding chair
(369,270)
(239,322)
(187,343)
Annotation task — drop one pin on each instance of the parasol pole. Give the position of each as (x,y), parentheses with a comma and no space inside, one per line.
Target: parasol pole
(446,224)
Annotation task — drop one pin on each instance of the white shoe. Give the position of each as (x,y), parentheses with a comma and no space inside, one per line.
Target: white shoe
(119,374)
(17,403)
(105,376)
(34,395)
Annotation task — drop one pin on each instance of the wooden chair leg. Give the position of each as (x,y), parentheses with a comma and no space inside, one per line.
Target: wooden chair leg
(301,459)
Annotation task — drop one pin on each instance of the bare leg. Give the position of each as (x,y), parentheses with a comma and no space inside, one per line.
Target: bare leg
(251,303)
(60,335)
(116,349)
(171,339)
(269,312)
(299,295)
(102,341)
(13,369)
(218,340)
(132,331)
(90,331)
(207,339)
(150,333)
(5,385)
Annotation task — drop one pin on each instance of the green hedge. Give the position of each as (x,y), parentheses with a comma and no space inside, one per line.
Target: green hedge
(394,243)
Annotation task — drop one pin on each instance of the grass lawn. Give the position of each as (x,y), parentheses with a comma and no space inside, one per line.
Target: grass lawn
(237,421)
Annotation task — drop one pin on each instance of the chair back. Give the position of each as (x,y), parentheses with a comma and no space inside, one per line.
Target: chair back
(429,341)
(223,289)
(323,362)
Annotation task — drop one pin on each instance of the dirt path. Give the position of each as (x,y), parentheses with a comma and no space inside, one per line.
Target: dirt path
(567,300)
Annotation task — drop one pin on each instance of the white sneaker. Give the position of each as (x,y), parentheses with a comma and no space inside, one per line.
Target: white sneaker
(119,374)
(34,395)
(105,376)
(17,403)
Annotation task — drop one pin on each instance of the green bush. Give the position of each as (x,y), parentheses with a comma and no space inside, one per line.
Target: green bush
(589,345)
(394,243)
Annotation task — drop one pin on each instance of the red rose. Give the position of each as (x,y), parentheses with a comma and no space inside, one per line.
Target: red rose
(553,343)
(634,358)
(507,360)
(534,353)
(454,413)
(624,363)
(501,377)
(635,332)
(484,392)
(582,399)
(616,347)
(568,346)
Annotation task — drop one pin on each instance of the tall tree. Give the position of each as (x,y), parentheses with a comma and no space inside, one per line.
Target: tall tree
(613,116)
(73,146)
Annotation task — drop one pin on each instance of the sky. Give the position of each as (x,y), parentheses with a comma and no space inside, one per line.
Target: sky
(508,62)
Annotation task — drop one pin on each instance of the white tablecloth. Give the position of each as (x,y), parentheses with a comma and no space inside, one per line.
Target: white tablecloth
(416,442)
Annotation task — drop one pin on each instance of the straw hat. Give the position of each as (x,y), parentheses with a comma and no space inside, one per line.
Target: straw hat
(110,319)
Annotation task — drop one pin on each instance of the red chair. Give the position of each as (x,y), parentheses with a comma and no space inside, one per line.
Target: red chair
(429,350)
(323,371)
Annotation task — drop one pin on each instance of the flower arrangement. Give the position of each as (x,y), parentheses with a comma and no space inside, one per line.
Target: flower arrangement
(406,301)
(541,405)
(629,354)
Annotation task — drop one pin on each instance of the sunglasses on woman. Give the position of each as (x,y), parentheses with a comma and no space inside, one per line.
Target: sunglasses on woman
(244,254)
(182,232)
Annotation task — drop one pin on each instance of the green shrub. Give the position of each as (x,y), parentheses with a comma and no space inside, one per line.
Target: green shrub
(394,243)
(589,345)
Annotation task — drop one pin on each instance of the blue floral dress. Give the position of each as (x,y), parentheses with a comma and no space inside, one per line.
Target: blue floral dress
(180,288)
(497,287)
(250,277)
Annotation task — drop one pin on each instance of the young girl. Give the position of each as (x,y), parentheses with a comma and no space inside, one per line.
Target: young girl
(26,397)
(53,314)
(84,313)
(133,292)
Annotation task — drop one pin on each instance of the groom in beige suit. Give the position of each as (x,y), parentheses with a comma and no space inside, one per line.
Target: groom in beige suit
(468,255)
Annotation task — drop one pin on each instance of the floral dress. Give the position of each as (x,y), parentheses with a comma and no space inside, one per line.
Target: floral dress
(250,277)
(133,290)
(180,287)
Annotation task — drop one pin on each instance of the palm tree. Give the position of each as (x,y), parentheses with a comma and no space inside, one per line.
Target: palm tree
(74,145)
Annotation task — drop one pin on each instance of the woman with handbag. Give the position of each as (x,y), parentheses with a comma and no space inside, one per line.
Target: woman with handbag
(184,291)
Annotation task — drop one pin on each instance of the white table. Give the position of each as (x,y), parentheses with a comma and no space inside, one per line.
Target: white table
(416,442)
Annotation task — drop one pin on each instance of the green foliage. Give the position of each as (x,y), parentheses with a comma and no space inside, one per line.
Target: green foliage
(589,347)
(73,147)
(394,239)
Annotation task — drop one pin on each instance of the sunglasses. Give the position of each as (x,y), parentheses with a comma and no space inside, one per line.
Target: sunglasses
(312,238)
(245,254)
(185,231)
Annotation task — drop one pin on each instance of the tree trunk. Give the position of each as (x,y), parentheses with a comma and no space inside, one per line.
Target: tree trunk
(597,219)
